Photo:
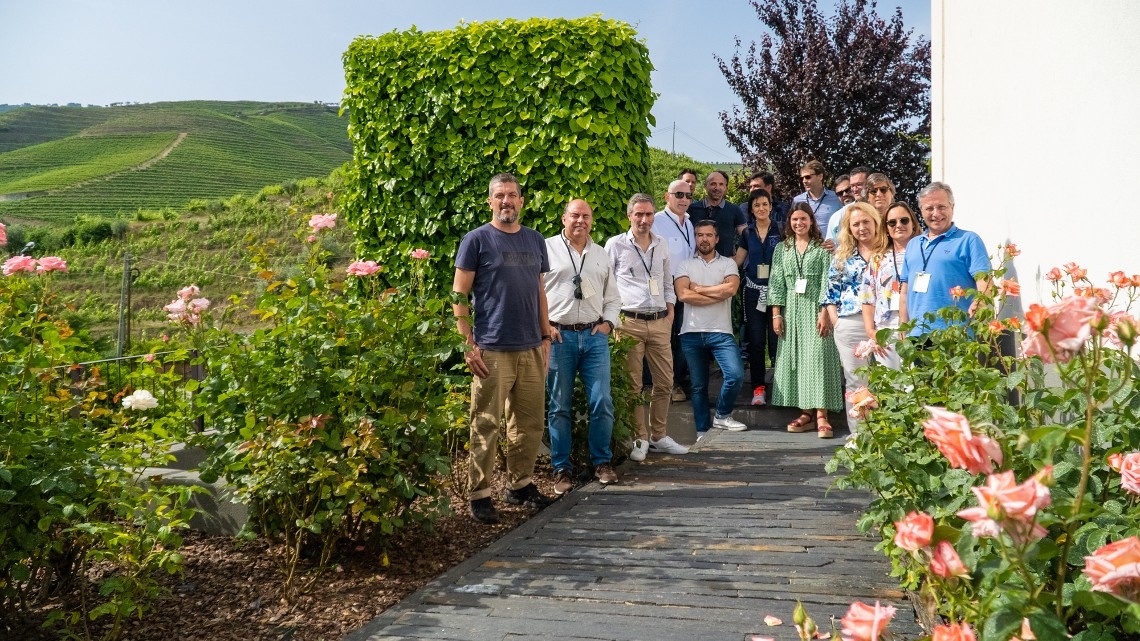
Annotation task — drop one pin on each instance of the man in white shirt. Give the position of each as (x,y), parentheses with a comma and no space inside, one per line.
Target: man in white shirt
(583,305)
(673,224)
(644,276)
(706,284)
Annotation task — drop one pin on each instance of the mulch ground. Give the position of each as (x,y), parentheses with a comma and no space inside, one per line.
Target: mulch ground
(230,589)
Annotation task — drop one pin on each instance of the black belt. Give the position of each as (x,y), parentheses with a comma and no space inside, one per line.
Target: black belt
(577,327)
(651,316)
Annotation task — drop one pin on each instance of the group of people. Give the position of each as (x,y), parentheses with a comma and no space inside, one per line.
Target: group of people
(820,275)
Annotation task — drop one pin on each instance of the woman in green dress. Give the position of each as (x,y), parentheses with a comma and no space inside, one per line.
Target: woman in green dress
(807,363)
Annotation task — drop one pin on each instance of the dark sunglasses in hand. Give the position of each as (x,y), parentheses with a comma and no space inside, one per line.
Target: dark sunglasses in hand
(577,287)
(905,220)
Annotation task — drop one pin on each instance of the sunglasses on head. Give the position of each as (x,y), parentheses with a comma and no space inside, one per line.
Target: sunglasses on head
(683,194)
(905,220)
(879,190)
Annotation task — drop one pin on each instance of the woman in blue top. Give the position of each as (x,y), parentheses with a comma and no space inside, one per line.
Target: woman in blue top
(754,253)
(862,237)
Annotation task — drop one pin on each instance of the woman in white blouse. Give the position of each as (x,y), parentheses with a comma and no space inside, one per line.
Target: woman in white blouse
(881,284)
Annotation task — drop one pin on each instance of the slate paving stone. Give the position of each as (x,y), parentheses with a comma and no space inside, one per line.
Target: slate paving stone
(701,546)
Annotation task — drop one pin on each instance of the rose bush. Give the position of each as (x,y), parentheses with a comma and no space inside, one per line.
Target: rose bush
(1027,465)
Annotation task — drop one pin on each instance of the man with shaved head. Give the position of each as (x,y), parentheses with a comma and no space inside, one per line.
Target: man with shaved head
(673,224)
(584,308)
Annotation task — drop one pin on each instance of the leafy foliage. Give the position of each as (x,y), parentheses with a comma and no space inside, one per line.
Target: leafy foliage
(564,105)
(1068,422)
(853,89)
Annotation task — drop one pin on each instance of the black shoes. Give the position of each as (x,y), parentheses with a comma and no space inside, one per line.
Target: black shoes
(528,496)
(484,511)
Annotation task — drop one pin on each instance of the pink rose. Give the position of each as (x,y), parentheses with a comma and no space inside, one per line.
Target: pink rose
(1003,505)
(945,562)
(868,347)
(166,338)
(311,238)
(1115,568)
(1122,329)
(914,532)
(420,254)
(1129,467)
(322,221)
(866,623)
(3,234)
(1011,250)
(1065,328)
(1075,271)
(862,402)
(149,358)
(1035,344)
(18,264)
(188,292)
(363,268)
(51,264)
(1010,287)
(1053,275)
(950,432)
(959,632)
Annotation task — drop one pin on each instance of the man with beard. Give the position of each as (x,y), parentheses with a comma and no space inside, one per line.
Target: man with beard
(501,264)
(706,284)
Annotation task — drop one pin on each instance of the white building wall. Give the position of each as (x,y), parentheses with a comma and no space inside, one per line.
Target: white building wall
(1036,127)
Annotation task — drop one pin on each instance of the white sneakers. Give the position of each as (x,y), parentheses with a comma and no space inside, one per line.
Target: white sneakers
(640,449)
(728,423)
(666,446)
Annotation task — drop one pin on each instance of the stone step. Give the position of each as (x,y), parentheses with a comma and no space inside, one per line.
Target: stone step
(218,513)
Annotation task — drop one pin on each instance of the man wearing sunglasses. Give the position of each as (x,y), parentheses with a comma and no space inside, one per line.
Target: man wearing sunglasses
(675,226)
(823,202)
(843,189)
(727,216)
(857,192)
(584,307)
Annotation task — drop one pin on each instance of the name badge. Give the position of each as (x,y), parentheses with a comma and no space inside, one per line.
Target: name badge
(801,285)
(895,299)
(588,290)
(654,287)
(921,282)
(761,272)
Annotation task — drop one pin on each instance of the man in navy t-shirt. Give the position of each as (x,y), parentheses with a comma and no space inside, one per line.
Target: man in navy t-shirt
(506,326)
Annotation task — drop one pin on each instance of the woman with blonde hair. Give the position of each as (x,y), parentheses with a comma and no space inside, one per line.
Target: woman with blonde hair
(862,242)
(881,284)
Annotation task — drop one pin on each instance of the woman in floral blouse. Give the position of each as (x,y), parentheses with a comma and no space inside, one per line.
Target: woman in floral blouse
(881,283)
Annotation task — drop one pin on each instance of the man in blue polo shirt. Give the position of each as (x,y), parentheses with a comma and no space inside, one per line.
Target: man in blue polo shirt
(947,256)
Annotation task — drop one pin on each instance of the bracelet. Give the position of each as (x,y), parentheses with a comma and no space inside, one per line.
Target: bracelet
(775,316)
(547,337)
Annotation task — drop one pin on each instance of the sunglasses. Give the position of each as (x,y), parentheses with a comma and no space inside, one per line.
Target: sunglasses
(577,287)
(683,194)
(879,190)
(905,220)
(845,192)
(806,176)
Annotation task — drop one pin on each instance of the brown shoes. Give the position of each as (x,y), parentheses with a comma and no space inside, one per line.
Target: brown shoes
(605,474)
(563,482)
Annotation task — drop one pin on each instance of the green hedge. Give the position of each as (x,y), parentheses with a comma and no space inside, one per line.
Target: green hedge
(562,104)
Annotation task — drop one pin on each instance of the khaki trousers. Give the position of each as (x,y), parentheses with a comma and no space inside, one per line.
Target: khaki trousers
(653,343)
(516,388)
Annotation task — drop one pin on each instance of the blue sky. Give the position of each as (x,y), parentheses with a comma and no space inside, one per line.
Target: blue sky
(104,51)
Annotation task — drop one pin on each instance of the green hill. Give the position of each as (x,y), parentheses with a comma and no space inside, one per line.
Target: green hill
(106,161)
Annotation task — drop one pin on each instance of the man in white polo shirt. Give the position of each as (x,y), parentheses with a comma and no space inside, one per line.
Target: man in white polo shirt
(706,284)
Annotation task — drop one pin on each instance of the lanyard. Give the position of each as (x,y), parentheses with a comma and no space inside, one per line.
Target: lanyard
(577,270)
(765,258)
(800,257)
(684,233)
(807,197)
(895,260)
(926,257)
(648,272)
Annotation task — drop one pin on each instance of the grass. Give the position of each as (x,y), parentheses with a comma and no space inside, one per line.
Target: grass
(229,148)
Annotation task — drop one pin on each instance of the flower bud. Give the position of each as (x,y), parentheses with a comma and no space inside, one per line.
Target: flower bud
(1126,331)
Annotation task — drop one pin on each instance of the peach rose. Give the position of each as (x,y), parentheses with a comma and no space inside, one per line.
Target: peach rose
(960,632)
(957,291)
(1129,467)
(945,561)
(862,401)
(1010,287)
(1003,505)
(1053,275)
(950,432)
(1011,250)
(1115,568)
(866,623)
(1122,329)
(914,532)
(1065,327)
(1136,280)
(1075,271)
(1119,279)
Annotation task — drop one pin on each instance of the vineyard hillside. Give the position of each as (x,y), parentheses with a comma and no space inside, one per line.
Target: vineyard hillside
(57,163)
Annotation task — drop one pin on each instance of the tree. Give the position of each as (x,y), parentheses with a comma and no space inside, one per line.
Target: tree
(852,89)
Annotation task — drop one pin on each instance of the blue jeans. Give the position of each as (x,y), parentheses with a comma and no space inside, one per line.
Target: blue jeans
(698,346)
(587,355)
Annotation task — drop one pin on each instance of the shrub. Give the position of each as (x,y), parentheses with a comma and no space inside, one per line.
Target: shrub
(564,105)
(1057,486)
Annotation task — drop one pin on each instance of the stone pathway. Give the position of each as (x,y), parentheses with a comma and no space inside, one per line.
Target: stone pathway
(701,546)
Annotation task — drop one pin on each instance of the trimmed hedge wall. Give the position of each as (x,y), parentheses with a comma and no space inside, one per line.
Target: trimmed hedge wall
(562,104)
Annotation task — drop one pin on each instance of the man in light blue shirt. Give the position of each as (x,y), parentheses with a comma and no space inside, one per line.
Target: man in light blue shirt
(945,257)
(823,202)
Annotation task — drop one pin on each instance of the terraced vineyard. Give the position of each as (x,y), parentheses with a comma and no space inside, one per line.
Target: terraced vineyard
(61,163)
(229,148)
